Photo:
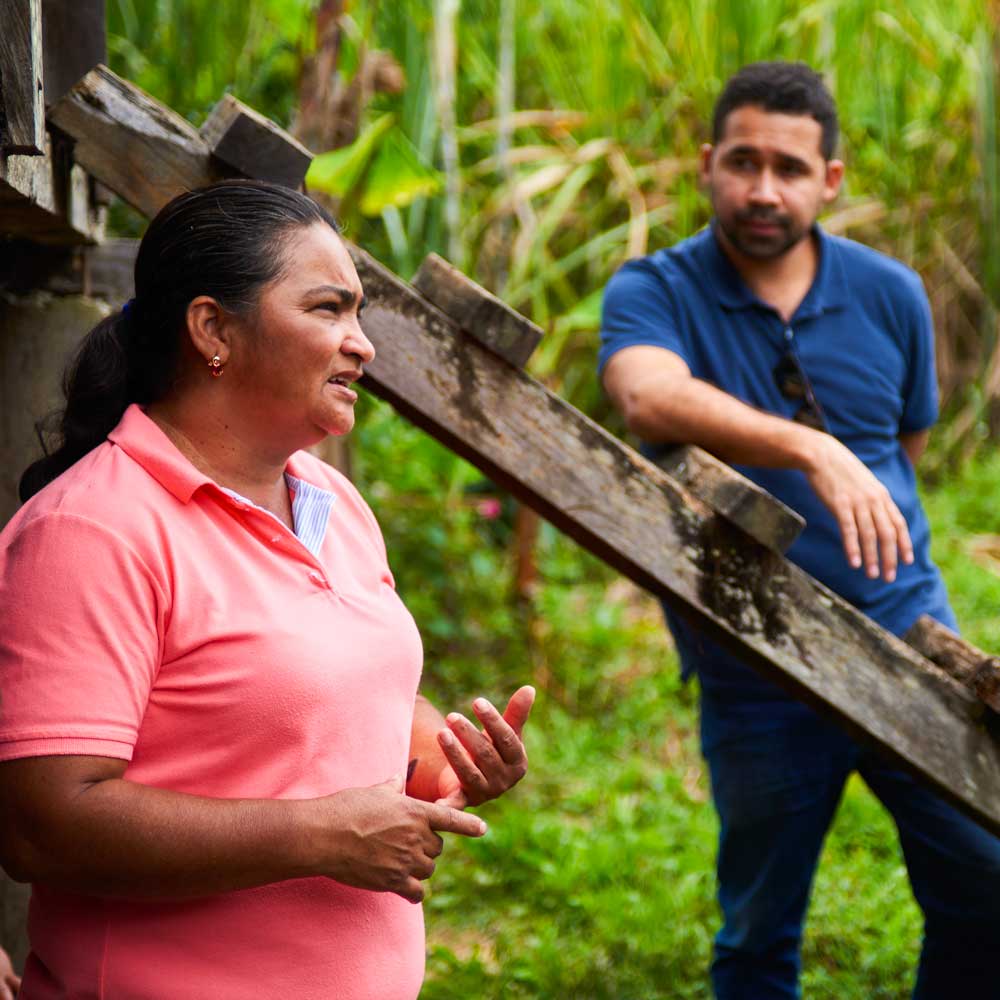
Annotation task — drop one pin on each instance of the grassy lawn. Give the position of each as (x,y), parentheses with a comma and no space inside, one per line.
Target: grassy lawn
(596,878)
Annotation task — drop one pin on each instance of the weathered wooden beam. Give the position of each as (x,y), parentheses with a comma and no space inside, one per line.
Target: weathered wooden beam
(477,311)
(48,199)
(74,40)
(22,106)
(134,145)
(978,671)
(512,336)
(252,145)
(640,521)
(762,516)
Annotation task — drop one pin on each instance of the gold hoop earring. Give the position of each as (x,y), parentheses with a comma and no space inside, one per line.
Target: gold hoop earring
(215,366)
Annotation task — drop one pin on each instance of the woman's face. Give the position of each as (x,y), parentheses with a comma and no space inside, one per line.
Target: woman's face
(295,368)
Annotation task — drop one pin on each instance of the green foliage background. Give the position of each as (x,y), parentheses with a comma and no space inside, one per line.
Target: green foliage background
(596,878)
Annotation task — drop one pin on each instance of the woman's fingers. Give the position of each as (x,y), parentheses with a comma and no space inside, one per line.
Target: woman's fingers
(470,776)
(480,748)
(519,708)
(505,730)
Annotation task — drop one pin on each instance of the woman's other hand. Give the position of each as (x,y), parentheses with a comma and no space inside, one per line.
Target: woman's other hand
(9,981)
(483,764)
(380,839)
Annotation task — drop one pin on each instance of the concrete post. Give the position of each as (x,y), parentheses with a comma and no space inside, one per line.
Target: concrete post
(39,333)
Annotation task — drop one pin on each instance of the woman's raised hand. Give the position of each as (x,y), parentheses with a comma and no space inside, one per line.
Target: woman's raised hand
(380,839)
(484,763)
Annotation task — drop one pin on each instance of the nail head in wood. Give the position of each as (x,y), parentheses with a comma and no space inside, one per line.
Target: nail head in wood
(477,311)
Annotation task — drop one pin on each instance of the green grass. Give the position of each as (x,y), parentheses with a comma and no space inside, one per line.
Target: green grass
(596,878)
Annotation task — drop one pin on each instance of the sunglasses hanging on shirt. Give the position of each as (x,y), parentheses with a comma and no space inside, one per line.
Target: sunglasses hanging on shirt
(793,383)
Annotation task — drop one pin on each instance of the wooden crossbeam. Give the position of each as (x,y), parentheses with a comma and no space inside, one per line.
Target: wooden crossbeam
(740,500)
(136,146)
(22,107)
(645,524)
(252,145)
(976,670)
(479,312)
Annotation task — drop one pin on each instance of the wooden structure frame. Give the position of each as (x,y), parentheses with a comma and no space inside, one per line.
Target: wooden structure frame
(694,533)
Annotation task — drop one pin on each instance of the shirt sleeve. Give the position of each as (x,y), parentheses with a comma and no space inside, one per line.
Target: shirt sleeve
(80,644)
(638,309)
(920,390)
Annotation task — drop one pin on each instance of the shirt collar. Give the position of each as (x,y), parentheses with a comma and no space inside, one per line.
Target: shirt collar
(828,290)
(144,442)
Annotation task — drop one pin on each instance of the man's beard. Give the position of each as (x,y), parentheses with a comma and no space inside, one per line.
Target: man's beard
(759,246)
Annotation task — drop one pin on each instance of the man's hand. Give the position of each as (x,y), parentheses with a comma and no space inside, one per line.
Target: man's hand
(381,839)
(871,525)
(9,982)
(484,763)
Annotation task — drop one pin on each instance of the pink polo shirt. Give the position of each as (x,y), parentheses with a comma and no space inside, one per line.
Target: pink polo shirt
(148,615)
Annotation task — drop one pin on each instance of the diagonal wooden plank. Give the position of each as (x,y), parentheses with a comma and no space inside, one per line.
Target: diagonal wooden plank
(636,518)
(649,527)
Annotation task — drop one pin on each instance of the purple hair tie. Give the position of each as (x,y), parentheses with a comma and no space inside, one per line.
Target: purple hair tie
(127,308)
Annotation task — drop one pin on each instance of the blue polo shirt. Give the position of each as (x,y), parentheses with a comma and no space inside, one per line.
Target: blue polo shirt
(863,335)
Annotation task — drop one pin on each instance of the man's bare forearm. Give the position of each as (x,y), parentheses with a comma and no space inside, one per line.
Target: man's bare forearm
(691,411)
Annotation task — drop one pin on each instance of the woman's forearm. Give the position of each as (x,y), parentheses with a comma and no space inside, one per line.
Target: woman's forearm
(75,823)
(117,838)
(424,782)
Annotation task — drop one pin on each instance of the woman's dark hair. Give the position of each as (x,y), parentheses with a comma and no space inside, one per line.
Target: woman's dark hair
(791,88)
(226,241)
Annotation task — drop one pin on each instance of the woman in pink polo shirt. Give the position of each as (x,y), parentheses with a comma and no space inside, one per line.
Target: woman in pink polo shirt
(209,701)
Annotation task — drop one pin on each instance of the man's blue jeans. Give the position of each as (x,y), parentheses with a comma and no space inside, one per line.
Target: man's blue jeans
(777,772)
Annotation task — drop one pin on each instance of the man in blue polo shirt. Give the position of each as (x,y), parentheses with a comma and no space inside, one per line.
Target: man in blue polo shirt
(808,362)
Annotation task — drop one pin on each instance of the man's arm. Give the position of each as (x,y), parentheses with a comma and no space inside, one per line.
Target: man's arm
(662,402)
(915,444)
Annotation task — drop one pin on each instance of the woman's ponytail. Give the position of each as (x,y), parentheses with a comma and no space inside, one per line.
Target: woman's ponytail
(96,386)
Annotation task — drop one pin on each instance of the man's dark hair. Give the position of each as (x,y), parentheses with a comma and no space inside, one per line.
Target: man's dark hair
(791,88)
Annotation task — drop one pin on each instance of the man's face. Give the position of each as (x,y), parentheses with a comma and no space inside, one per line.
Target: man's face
(767,180)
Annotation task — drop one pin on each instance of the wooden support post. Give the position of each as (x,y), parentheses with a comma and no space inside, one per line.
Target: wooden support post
(477,311)
(642,522)
(252,145)
(22,107)
(74,40)
(141,150)
(978,671)
(48,199)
